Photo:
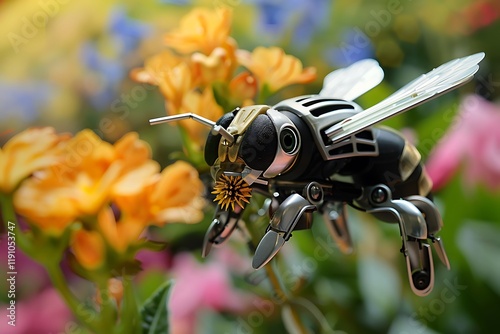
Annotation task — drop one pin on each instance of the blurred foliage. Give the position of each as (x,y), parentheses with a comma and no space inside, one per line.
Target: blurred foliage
(65,64)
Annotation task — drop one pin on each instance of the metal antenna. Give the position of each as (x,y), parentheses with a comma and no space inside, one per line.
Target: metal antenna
(215,128)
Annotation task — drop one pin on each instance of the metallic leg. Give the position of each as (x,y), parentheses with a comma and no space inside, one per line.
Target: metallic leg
(280,228)
(334,216)
(220,229)
(414,231)
(434,224)
(420,267)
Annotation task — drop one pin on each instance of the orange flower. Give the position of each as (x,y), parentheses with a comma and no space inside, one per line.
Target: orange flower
(88,248)
(243,87)
(131,152)
(156,67)
(176,197)
(48,202)
(274,69)
(91,168)
(170,73)
(173,196)
(218,66)
(201,30)
(202,104)
(27,152)
(82,184)
(120,234)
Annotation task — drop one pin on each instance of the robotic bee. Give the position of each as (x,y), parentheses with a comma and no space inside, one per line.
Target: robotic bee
(322,153)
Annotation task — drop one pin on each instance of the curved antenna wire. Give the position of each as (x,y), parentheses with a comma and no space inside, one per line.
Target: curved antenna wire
(216,129)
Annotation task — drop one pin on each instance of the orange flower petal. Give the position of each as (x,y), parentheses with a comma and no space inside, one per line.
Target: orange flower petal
(170,73)
(243,86)
(133,151)
(275,69)
(201,30)
(178,191)
(88,248)
(119,234)
(27,152)
(48,202)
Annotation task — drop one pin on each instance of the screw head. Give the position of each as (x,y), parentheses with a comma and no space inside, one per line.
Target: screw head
(379,195)
(315,192)
(421,279)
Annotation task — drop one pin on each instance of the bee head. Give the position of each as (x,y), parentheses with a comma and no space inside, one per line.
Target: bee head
(266,144)
(247,145)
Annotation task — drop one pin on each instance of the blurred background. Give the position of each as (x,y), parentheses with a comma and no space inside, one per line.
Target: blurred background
(66,64)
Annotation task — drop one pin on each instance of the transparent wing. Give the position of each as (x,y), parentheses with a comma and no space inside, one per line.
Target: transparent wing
(353,81)
(437,82)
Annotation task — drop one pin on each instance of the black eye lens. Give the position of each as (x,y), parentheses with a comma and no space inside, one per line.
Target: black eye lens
(289,140)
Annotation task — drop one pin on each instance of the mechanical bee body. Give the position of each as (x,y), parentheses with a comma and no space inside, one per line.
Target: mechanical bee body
(322,153)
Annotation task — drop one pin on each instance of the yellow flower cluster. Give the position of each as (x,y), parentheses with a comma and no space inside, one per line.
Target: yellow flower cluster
(198,73)
(58,180)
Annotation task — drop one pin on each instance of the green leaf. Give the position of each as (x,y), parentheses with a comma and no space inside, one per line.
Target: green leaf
(156,246)
(127,268)
(154,311)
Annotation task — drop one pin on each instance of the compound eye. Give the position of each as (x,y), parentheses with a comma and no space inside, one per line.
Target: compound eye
(289,140)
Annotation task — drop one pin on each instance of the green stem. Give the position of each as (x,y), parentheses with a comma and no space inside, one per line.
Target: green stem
(263,94)
(107,309)
(283,297)
(9,215)
(193,152)
(82,313)
(130,321)
(280,293)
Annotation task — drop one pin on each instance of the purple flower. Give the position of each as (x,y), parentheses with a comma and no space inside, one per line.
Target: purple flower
(314,15)
(303,17)
(24,99)
(274,15)
(472,141)
(107,72)
(355,46)
(126,33)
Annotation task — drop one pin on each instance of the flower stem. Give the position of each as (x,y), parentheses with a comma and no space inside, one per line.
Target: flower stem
(107,310)
(78,308)
(9,217)
(130,321)
(280,294)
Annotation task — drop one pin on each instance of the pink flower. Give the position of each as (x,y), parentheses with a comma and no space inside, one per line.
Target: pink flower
(43,313)
(26,268)
(481,14)
(154,260)
(201,286)
(474,142)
